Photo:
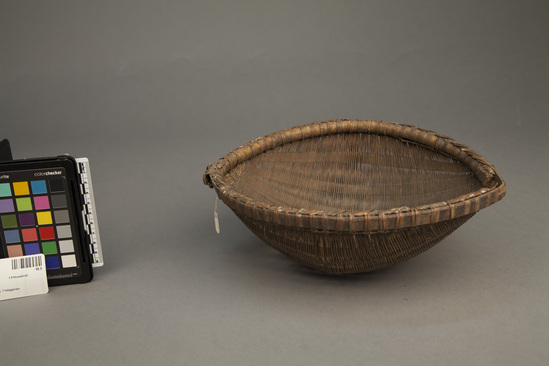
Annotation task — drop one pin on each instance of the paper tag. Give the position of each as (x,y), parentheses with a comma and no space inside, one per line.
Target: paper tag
(216,217)
(23,276)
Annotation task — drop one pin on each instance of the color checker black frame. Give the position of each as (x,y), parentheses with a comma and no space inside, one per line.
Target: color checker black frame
(41,212)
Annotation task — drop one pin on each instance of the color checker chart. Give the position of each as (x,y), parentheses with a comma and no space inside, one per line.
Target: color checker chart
(39,213)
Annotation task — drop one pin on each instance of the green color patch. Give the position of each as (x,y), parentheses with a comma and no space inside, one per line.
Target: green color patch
(9,221)
(5,190)
(49,247)
(23,204)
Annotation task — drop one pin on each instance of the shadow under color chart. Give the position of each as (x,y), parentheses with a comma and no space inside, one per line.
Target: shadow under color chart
(37,216)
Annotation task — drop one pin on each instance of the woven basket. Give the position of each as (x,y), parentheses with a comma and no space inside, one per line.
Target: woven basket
(349,196)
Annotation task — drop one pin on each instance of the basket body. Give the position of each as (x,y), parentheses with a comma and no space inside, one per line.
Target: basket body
(350,196)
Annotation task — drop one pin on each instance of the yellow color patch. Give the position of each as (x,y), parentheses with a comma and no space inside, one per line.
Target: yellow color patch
(20,188)
(44,218)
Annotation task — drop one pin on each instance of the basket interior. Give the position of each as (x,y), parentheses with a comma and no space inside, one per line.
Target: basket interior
(351,172)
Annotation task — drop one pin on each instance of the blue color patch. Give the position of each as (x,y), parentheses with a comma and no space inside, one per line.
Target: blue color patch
(12,236)
(52,262)
(39,187)
(32,248)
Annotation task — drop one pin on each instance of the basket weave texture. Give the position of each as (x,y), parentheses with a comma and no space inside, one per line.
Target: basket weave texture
(349,196)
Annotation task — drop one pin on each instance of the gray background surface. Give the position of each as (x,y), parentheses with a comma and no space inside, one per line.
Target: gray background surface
(151,92)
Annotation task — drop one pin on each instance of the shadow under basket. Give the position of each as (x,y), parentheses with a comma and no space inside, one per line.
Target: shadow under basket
(350,196)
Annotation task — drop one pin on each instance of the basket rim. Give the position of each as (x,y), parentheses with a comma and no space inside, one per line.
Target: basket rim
(493,189)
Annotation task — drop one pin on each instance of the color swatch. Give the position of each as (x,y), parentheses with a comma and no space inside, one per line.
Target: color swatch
(35,217)
(47,207)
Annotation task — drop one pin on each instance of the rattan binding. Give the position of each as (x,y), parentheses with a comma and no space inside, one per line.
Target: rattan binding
(349,196)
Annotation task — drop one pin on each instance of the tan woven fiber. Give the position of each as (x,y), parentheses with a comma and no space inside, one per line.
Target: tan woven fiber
(348,196)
